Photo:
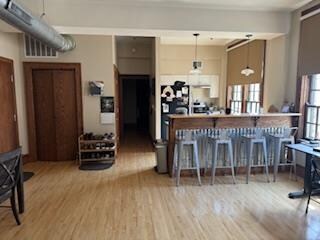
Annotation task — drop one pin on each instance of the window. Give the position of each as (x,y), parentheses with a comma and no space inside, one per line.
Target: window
(236,99)
(248,94)
(253,102)
(312,130)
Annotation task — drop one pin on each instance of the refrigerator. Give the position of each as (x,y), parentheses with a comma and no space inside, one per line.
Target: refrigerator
(172,97)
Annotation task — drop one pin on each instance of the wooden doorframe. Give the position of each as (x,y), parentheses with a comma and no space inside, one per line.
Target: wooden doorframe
(29,67)
(10,61)
(118,103)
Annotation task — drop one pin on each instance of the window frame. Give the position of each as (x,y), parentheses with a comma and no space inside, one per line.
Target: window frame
(237,101)
(309,105)
(245,97)
(253,101)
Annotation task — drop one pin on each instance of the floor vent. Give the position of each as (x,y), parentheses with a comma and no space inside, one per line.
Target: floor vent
(35,48)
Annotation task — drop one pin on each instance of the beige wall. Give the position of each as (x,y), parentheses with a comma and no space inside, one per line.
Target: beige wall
(95,55)
(96,58)
(10,48)
(138,62)
(275,72)
(177,60)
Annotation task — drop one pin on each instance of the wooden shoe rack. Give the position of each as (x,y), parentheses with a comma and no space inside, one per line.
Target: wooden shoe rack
(98,149)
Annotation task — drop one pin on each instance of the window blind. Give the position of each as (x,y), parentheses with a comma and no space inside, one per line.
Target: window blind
(237,60)
(309,49)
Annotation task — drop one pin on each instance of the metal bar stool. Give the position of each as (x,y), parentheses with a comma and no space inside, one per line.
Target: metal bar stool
(287,136)
(186,139)
(250,141)
(215,141)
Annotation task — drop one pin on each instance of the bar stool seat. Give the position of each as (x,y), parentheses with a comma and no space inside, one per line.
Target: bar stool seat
(250,141)
(179,149)
(279,139)
(215,142)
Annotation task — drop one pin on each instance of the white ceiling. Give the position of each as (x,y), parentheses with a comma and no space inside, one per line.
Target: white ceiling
(130,39)
(211,39)
(266,5)
(191,41)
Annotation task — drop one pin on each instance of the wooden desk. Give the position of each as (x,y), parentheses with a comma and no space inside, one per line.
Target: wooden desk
(307,169)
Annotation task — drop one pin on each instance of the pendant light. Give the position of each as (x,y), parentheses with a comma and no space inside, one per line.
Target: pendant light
(195,65)
(248,71)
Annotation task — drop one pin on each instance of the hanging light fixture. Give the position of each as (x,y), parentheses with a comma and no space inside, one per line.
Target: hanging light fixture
(248,71)
(196,64)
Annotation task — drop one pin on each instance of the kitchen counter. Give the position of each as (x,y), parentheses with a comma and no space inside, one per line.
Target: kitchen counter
(205,121)
(204,115)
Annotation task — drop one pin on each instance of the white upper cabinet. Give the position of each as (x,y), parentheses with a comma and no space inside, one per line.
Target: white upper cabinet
(211,81)
(171,79)
(214,86)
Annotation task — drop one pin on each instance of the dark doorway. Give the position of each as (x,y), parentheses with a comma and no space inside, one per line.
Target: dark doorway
(135,103)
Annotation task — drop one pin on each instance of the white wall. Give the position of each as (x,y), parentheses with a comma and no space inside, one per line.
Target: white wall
(10,48)
(99,14)
(158,89)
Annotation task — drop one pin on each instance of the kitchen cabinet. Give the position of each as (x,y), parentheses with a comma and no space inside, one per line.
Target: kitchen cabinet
(171,79)
(207,81)
(214,86)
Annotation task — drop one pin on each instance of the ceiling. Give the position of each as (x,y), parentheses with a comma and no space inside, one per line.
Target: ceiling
(265,5)
(211,38)
(206,41)
(130,39)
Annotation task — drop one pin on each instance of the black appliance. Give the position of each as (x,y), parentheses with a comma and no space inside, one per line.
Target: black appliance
(173,105)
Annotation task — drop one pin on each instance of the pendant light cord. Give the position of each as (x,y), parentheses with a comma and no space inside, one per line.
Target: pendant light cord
(43,9)
(248,49)
(196,50)
(248,52)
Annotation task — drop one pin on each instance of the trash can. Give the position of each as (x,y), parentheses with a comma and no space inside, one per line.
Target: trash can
(161,155)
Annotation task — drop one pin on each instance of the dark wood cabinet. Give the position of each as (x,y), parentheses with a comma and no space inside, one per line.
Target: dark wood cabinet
(56,120)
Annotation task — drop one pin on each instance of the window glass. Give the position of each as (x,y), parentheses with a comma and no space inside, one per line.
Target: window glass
(312,124)
(236,100)
(253,102)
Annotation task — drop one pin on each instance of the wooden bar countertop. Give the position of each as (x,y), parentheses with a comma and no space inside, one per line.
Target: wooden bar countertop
(244,120)
(204,115)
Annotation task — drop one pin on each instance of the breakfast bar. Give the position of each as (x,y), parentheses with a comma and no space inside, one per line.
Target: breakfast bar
(237,123)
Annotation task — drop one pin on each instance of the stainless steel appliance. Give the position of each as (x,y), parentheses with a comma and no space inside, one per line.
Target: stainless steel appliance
(199,107)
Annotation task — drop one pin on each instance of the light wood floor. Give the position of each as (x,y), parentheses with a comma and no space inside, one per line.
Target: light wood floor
(131,201)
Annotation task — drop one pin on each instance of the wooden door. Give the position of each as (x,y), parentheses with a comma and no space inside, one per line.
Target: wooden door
(65,109)
(45,123)
(8,116)
(54,107)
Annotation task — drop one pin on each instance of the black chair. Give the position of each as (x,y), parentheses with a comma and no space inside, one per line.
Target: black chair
(315,182)
(9,176)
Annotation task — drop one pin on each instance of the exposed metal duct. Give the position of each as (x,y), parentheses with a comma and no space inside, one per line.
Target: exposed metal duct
(15,15)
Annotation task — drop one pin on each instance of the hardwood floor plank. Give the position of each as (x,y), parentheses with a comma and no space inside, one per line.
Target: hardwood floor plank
(131,201)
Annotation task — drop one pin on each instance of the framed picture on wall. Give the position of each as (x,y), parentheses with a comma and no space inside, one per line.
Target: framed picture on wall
(107,104)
